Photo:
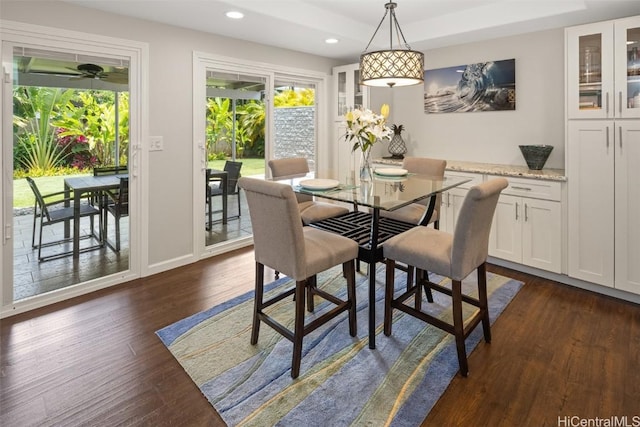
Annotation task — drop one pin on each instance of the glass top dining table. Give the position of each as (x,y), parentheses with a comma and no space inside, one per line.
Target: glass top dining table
(368,228)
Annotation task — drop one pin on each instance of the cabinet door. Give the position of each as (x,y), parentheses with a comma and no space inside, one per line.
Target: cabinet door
(590,171)
(505,240)
(450,208)
(541,236)
(348,91)
(627,67)
(627,208)
(589,69)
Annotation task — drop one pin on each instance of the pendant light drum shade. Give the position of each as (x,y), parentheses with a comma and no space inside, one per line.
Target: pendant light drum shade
(392,68)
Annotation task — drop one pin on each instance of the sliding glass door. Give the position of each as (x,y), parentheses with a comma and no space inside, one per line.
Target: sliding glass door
(68,112)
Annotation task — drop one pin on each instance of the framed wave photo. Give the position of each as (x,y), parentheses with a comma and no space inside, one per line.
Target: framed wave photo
(483,86)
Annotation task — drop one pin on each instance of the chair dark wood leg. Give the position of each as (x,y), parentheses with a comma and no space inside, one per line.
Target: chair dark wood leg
(482,298)
(349,270)
(257,303)
(388,295)
(417,295)
(410,271)
(312,283)
(298,332)
(427,290)
(277,274)
(458,326)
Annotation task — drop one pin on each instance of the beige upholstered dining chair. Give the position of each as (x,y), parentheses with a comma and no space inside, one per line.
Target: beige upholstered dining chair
(454,256)
(413,213)
(282,243)
(310,209)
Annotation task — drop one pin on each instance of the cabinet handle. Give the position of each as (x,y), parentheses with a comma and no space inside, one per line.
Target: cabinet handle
(620,139)
(448,200)
(526,213)
(516,211)
(607,103)
(520,188)
(607,137)
(620,101)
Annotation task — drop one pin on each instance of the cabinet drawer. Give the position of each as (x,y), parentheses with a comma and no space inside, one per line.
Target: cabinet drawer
(474,177)
(533,188)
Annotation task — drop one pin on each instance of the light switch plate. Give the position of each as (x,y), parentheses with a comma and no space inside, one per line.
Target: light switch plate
(156,143)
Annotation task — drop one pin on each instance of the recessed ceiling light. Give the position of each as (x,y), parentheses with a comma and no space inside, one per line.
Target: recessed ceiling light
(234,14)
(331,41)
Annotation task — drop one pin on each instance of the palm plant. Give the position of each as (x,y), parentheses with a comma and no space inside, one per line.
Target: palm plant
(35,133)
(219,122)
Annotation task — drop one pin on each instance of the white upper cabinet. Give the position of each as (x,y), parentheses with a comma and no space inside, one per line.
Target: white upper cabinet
(348,92)
(603,70)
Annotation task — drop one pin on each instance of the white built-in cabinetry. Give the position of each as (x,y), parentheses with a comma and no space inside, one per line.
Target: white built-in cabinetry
(603,153)
(348,94)
(452,200)
(527,224)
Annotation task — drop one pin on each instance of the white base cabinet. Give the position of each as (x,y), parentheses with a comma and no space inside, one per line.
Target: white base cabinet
(452,200)
(527,224)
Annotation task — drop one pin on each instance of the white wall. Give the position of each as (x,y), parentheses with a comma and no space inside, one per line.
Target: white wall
(489,137)
(170,100)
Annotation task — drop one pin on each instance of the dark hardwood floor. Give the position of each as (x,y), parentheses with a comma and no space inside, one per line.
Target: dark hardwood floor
(96,361)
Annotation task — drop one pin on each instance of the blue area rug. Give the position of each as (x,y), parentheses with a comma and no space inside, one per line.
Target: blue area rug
(342,382)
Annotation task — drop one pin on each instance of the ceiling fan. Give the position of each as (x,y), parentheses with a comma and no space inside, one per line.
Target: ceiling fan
(93,71)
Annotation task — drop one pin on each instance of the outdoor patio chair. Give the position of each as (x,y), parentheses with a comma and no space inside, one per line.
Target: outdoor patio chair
(214,189)
(51,209)
(281,242)
(116,203)
(454,256)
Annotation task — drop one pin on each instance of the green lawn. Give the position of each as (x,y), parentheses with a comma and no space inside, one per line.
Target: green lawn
(23,196)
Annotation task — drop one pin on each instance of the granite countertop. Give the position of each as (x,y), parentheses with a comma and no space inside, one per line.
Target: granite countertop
(493,169)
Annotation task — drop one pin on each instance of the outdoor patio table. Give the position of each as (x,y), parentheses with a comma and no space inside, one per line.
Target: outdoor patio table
(82,185)
(368,228)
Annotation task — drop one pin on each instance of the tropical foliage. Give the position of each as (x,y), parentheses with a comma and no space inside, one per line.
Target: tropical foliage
(36,145)
(56,129)
(249,125)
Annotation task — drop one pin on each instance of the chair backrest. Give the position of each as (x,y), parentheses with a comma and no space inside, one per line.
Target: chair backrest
(278,236)
(292,167)
(426,166)
(233,174)
(110,170)
(471,236)
(123,193)
(40,203)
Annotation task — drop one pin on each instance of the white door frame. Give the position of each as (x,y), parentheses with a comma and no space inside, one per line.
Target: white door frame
(15,33)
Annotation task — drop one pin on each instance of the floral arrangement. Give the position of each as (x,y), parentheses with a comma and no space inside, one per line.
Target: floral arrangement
(365,128)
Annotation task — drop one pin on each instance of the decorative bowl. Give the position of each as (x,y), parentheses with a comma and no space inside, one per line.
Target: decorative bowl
(536,155)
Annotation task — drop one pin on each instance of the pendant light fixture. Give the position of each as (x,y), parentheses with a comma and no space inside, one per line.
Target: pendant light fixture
(392,67)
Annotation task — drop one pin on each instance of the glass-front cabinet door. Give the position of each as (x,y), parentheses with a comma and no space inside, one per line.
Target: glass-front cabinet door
(349,93)
(603,69)
(627,65)
(590,70)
